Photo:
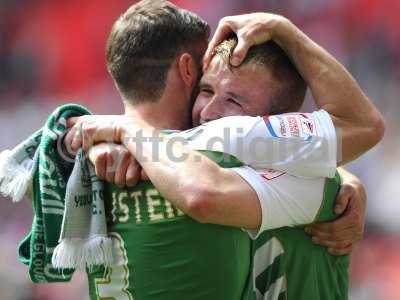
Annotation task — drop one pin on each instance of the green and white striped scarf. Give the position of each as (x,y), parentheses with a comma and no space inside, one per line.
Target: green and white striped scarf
(69,226)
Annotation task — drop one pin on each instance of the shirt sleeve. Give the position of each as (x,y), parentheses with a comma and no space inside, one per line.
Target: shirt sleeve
(301,144)
(285,200)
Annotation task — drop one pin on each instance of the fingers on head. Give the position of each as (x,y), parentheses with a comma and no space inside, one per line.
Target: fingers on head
(224,29)
(239,53)
(246,39)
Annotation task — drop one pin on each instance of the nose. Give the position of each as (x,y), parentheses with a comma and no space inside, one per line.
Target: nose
(212,111)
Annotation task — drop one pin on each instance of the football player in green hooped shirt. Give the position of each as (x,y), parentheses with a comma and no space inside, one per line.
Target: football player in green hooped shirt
(128,205)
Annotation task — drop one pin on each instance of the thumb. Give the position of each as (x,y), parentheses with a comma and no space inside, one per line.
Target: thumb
(240,52)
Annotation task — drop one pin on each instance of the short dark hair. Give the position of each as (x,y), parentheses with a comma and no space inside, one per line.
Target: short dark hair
(144,42)
(290,93)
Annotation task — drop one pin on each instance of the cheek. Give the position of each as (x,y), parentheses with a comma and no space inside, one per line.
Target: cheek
(231,109)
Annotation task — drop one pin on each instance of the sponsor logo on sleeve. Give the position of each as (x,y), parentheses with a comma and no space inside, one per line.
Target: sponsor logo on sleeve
(283,125)
(269,174)
(308,126)
(291,125)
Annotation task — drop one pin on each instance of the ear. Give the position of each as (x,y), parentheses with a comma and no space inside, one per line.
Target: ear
(188,69)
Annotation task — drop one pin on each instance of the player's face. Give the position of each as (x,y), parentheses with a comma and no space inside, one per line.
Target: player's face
(240,91)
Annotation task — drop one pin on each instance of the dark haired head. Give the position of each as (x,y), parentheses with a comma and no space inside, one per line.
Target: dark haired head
(144,43)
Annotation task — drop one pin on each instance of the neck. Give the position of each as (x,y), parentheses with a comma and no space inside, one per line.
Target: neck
(147,114)
(171,111)
(155,115)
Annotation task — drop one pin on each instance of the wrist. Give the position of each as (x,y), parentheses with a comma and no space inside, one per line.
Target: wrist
(282,30)
(278,26)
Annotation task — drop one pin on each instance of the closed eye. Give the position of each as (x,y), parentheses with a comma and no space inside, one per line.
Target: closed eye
(233,101)
(207,91)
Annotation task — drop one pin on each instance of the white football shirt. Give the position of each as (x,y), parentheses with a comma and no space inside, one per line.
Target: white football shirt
(301,144)
(285,200)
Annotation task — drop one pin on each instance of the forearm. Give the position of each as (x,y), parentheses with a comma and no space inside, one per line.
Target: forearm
(359,123)
(195,184)
(163,171)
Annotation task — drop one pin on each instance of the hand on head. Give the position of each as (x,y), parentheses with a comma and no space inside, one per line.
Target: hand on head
(250,29)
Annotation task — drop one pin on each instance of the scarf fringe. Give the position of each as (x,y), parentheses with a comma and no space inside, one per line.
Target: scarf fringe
(80,254)
(14,177)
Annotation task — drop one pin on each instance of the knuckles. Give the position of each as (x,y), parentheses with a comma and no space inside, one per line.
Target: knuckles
(88,129)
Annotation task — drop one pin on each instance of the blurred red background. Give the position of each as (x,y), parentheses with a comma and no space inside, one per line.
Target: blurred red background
(53,52)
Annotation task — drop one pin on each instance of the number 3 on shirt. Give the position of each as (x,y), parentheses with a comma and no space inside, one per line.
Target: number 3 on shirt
(114,286)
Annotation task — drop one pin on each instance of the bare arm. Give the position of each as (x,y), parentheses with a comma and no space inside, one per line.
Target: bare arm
(359,125)
(214,195)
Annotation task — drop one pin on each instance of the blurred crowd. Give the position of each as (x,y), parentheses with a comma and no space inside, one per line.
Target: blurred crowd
(52,52)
